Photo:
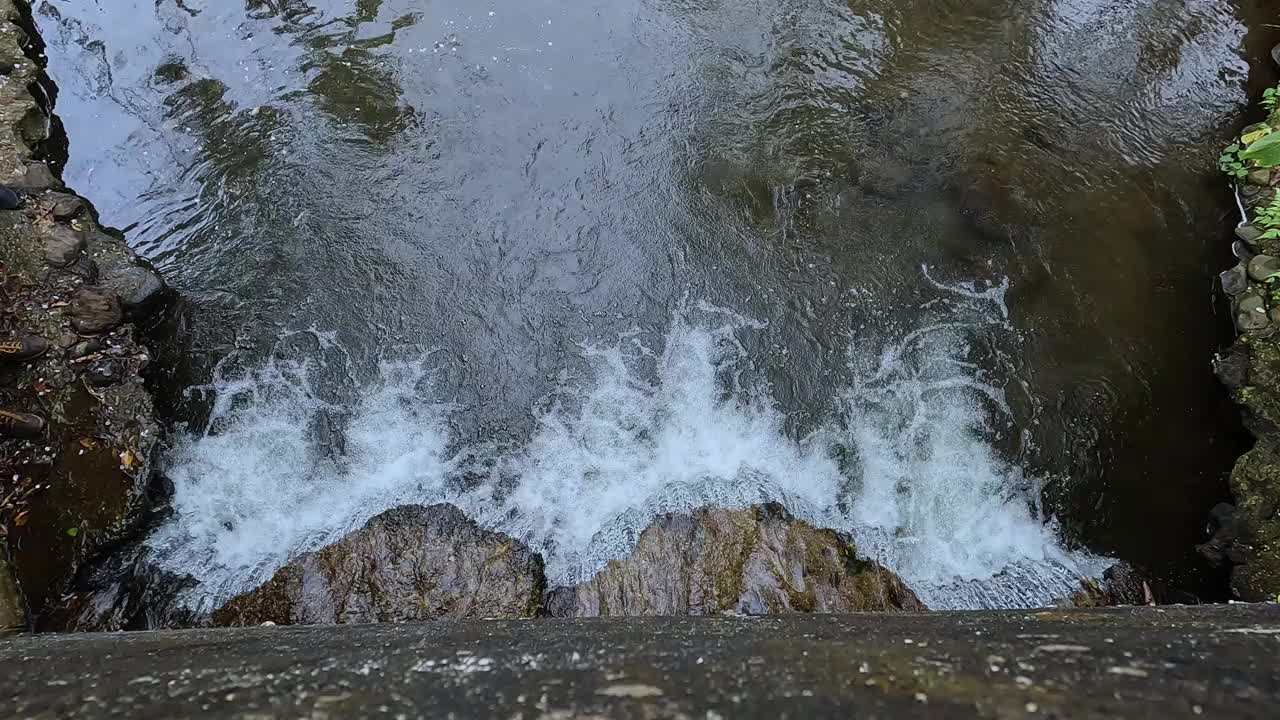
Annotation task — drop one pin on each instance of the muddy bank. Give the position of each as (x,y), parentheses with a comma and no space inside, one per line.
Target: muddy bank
(85,484)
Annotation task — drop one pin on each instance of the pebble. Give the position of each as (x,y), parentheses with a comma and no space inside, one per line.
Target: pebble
(1262,267)
(1275,54)
(1260,177)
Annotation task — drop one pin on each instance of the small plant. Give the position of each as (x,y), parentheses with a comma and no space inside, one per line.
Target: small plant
(1270,98)
(1269,218)
(1229,162)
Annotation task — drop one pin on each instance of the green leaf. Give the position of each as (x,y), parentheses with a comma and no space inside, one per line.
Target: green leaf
(1232,148)
(1255,135)
(1265,152)
(72,532)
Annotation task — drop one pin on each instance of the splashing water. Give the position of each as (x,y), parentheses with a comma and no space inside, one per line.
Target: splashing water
(906,467)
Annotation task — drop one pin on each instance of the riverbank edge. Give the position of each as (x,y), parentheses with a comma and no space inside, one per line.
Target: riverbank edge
(1246,534)
(87,484)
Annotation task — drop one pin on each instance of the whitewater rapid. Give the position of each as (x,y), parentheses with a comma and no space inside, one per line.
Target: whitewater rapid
(659,424)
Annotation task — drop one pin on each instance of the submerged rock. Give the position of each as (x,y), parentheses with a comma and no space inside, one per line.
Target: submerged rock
(409,563)
(753,561)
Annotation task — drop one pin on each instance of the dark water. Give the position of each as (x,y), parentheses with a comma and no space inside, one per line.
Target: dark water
(935,269)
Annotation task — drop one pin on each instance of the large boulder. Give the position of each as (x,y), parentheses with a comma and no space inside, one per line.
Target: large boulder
(753,561)
(409,563)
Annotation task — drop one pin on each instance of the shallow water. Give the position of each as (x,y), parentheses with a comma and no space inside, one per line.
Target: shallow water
(934,272)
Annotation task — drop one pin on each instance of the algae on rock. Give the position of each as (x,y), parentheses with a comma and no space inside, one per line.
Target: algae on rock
(757,560)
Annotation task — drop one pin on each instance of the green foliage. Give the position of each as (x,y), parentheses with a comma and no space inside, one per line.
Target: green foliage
(1270,98)
(1229,162)
(1264,152)
(72,532)
(1269,217)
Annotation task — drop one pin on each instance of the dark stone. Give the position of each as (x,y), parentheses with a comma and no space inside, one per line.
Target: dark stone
(758,560)
(124,592)
(1275,54)
(86,347)
(1235,280)
(84,267)
(67,207)
(1249,233)
(409,563)
(1232,368)
(9,200)
(139,287)
(1224,531)
(1262,267)
(95,310)
(1242,251)
(102,373)
(1251,313)
(63,245)
(1121,584)
(36,177)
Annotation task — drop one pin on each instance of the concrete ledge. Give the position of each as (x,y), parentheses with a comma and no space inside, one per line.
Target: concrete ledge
(1172,662)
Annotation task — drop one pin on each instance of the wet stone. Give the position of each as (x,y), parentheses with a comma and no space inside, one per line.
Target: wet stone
(66,207)
(63,246)
(1250,313)
(1235,280)
(1262,267)
(1260,177)
(95,310)
(1249,233)
(1275,54)
(86,347)
(139,287)
(105,372)
(1242,251)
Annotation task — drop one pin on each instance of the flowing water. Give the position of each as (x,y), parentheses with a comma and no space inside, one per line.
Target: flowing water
(933,272)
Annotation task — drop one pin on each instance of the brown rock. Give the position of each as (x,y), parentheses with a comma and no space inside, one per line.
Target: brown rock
(1121,584)
(754,561)
(409,563)
(95,310)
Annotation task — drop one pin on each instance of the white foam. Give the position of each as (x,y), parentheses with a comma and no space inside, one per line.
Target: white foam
(650,431)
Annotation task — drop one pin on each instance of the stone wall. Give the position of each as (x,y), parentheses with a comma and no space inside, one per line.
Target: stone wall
(86,484)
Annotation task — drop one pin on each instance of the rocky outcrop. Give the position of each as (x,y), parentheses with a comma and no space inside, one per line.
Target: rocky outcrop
(84,486)
(758,560)
(1247,535)
(409,563)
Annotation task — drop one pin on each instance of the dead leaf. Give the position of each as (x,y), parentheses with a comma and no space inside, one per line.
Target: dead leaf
(126,458)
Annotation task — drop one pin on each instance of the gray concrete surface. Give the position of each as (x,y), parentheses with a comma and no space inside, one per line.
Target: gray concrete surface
(1209,661)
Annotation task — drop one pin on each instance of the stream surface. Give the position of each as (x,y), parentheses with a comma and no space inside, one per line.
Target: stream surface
(934,272)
